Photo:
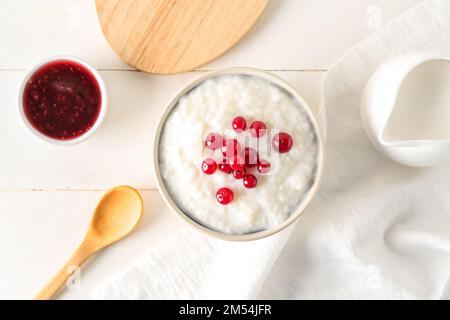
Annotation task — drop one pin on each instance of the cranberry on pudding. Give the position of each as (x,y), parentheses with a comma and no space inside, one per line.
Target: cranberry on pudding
(214,141)
(263,167)
(230,148)
(225,196)
(251,157)
(239,173)
(225,167)
(250,181)
(209,166)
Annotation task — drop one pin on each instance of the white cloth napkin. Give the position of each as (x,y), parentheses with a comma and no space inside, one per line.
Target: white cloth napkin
(376,231)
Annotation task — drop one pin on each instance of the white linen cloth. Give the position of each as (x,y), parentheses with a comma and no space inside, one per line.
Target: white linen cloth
(377,230)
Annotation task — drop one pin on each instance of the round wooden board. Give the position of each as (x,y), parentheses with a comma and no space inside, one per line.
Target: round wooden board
(173,36)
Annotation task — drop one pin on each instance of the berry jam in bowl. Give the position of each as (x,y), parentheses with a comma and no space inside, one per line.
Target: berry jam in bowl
(238,154)
(63,100)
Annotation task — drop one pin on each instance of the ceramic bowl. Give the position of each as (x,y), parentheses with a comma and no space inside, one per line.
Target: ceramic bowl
(171,202)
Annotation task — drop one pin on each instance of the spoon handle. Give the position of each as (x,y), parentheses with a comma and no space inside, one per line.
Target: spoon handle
(60,279)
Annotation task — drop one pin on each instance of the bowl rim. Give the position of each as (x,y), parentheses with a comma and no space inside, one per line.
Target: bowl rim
(103,106)
(320,159)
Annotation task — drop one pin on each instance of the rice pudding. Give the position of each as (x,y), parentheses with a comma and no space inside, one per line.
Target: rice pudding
(259,115)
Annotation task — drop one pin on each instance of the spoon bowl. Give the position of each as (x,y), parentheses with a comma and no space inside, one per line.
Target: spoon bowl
(116,215)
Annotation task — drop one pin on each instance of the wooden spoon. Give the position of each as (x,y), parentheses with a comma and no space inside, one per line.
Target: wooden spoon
(116,215)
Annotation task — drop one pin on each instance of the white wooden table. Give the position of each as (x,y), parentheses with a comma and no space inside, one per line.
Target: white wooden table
(47,194)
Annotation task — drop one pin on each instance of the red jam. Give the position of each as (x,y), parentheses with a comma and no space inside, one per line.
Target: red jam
(62,100)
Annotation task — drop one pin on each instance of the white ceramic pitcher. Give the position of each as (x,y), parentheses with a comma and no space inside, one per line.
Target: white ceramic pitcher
(405,108)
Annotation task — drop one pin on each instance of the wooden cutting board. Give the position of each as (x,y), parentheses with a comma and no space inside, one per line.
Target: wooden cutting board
(173,36)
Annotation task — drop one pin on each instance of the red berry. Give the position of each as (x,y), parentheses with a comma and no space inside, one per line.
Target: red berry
(214,141)
(225,167)
(225,196)
(239,124)
(263,167)
(230,148)
(251,157)
(282,142)
(209,166)
(258,129)
(250,181)
(239,174)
